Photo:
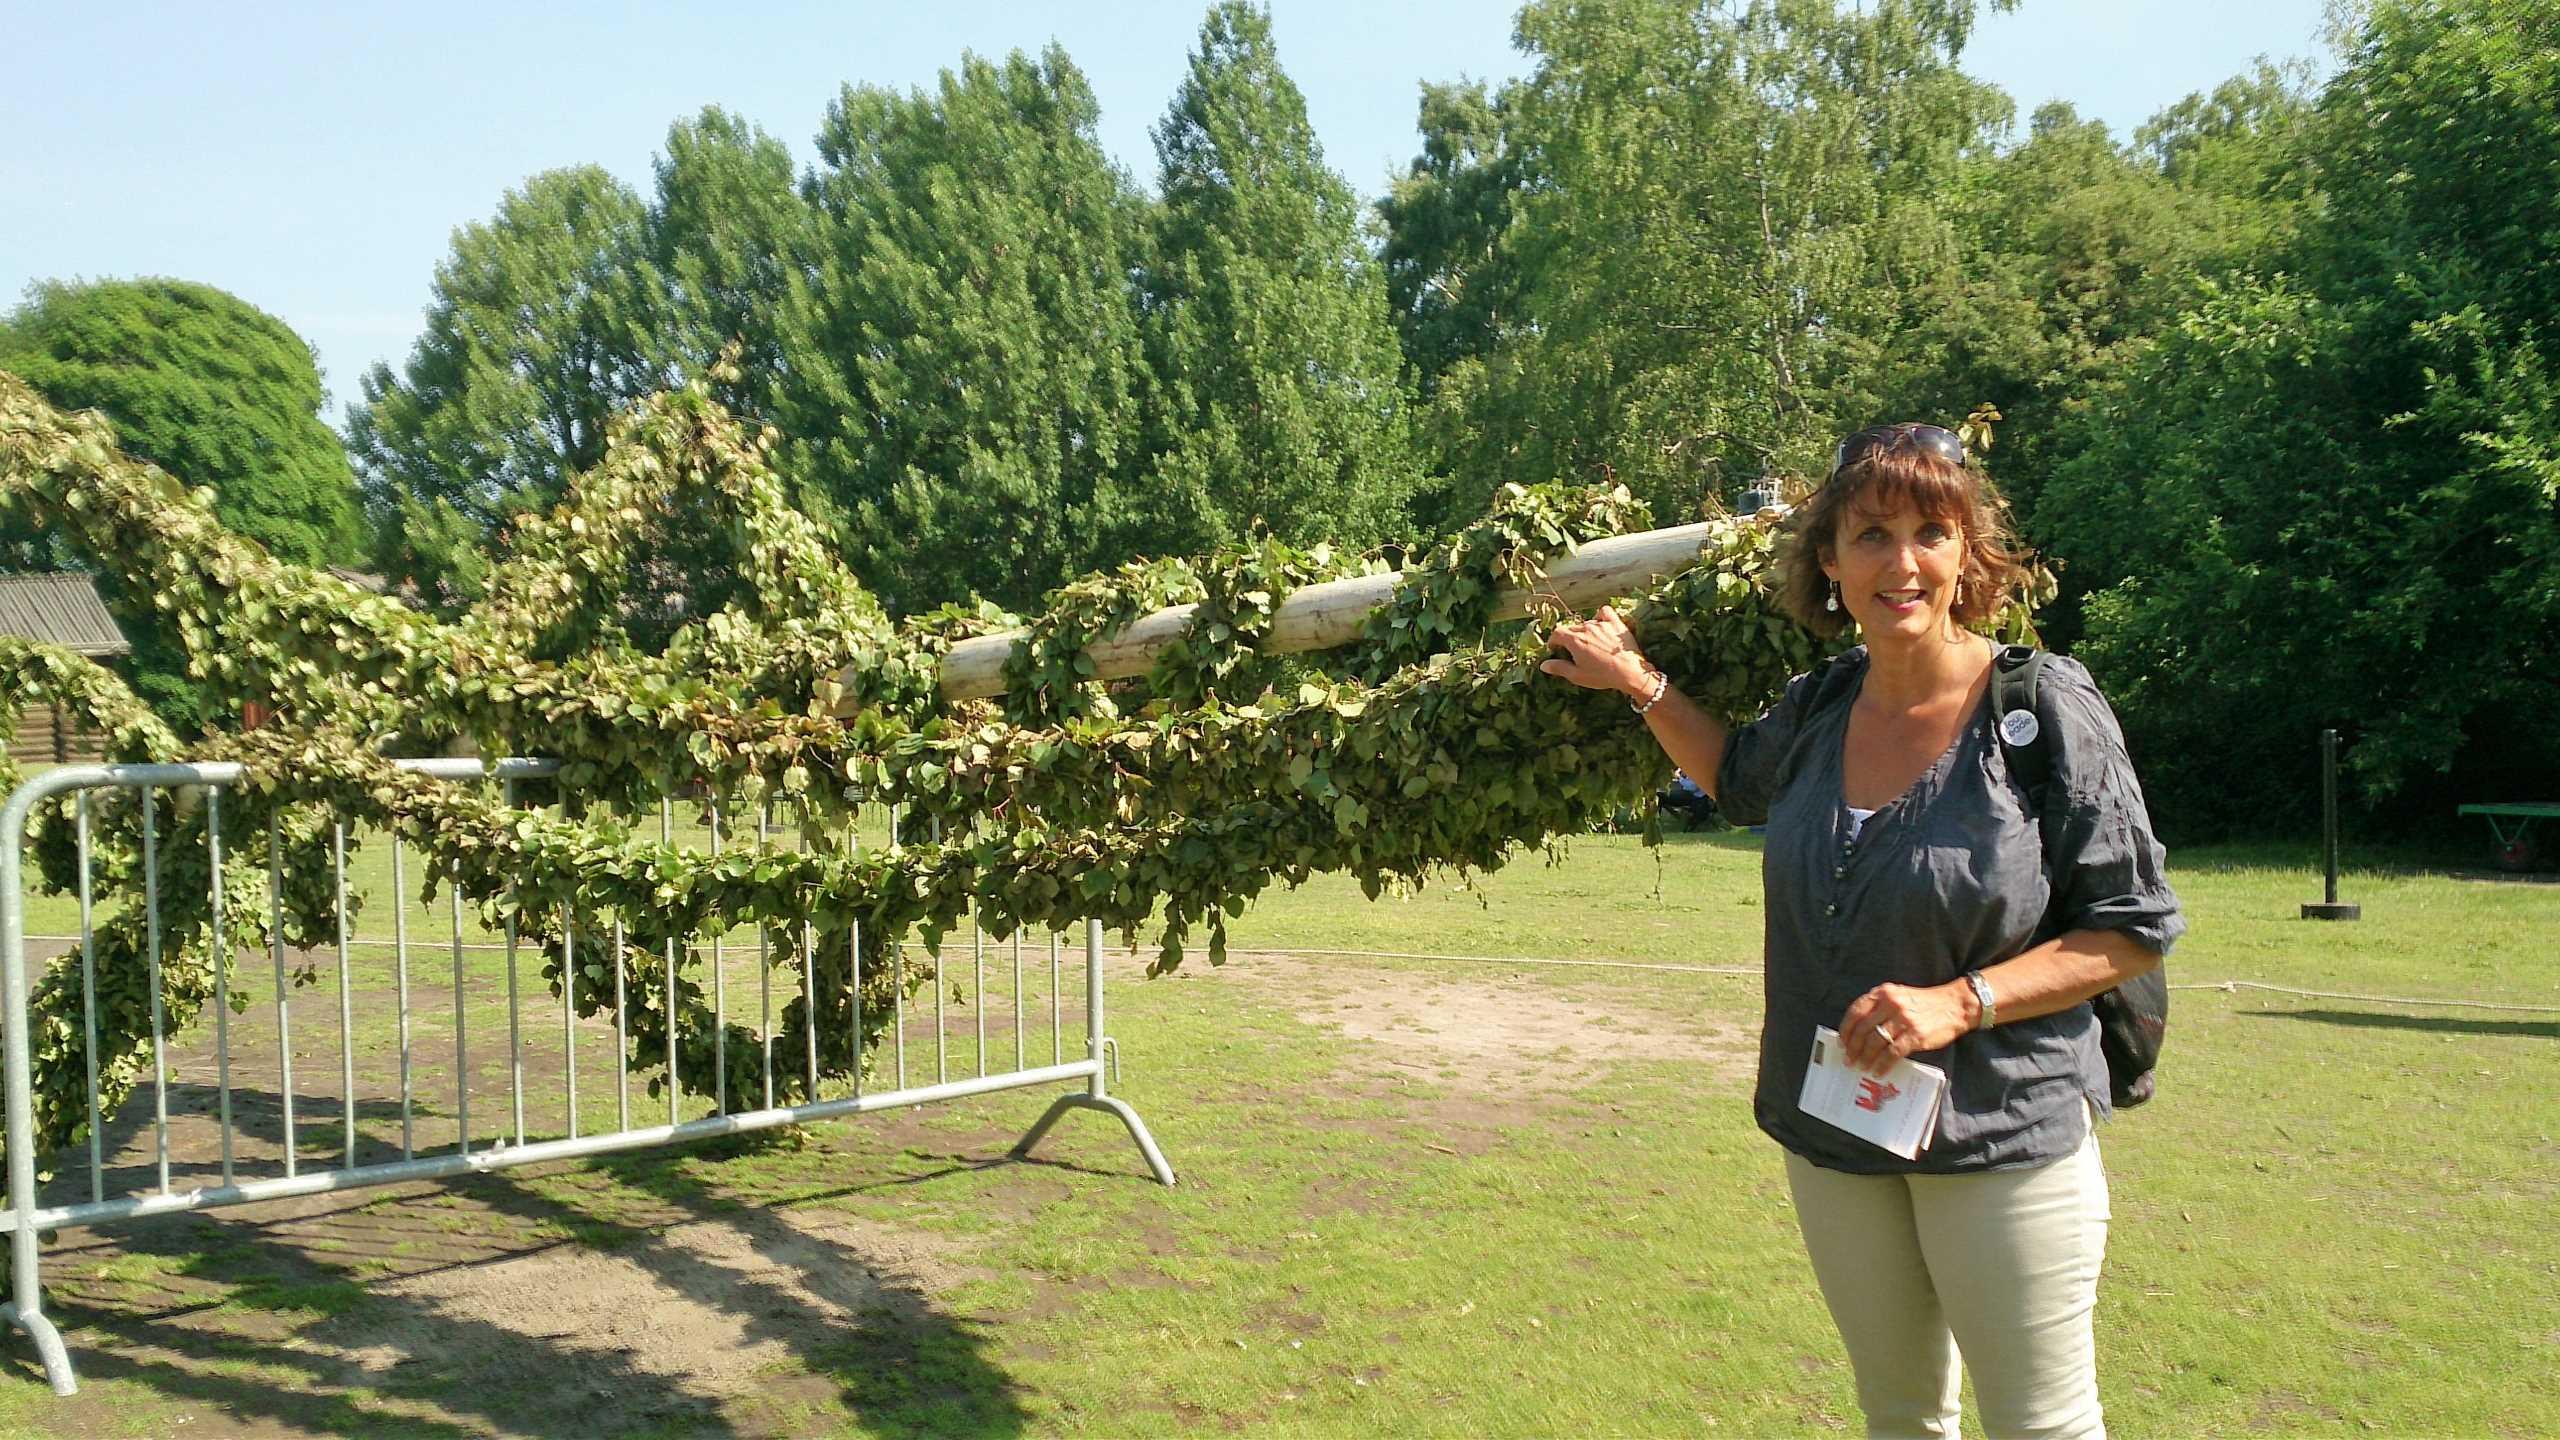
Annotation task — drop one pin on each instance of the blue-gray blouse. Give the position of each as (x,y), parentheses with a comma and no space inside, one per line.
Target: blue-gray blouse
(1948,877)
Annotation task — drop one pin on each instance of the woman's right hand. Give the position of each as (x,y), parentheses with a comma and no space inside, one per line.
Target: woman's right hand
(1600,654)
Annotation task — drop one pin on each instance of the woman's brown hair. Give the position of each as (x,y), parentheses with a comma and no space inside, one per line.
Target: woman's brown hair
(1887,478)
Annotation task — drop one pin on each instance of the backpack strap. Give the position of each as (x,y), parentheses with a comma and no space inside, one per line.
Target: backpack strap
(2019,719)
(1827,681)
(1827,684)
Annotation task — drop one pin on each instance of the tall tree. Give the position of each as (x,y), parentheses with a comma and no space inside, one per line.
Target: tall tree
(540,329)
(211,389)
(968,382)
(2077,252)
(1445,218)
(2331,495)
(1724,217)
(1282,380)
(730,237)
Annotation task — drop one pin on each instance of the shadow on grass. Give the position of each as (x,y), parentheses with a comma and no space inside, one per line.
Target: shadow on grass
(250,1324)
(2441,1024)
(257,1117)
(239,1311)
(2395,862)
(905,1367)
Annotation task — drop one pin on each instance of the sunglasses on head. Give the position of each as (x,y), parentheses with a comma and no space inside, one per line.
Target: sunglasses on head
(1928,439)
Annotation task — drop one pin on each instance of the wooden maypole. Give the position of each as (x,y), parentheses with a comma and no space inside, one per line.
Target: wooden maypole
(1319,617)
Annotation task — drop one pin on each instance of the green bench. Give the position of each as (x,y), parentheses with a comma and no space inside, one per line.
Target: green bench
(2512,824)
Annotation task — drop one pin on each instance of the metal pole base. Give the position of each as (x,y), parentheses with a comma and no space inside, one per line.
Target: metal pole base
(2331,910)
(57,1360)
(1109,1105)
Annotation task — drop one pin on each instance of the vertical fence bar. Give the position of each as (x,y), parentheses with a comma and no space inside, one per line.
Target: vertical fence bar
(1093,1034)
(221,977)
(221,974)
(151,929)
(346,988)
(667,837)
(25,1282)
(764,963)
(400,981)
(515,1002)
(860,1052)
(621,1034)
(1057,1008)
(569,1012)
(284,1013)
(89,1001)
(719,997)
(461,1022)
(896,950)
(941,1032)
(1017,997)
(809,962)
(978,992)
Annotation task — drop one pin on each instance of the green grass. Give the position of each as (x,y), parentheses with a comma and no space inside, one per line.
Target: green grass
(2337,1215)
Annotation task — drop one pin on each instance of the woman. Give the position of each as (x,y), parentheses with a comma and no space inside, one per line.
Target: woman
(1912,908)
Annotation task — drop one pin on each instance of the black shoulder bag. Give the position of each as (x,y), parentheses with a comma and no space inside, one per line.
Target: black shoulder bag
(2133,1018)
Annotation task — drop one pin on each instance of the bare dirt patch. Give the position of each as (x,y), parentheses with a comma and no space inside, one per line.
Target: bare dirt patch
(1484,1031)
(711,1303)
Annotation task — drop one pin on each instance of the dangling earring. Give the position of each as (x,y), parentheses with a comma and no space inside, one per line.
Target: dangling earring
(1831,601)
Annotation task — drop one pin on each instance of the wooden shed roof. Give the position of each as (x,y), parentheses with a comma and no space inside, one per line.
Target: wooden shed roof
(61,609)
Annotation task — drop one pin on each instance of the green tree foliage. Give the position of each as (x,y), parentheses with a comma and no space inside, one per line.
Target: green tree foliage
(2077,253)
(729,237)
(540,329)
(969,385)
(215,391)
(2331,495)
(1447,282)
(1726,217)
(1281,377)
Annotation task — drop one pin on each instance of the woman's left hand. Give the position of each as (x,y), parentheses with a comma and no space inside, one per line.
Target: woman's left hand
(1892,1021)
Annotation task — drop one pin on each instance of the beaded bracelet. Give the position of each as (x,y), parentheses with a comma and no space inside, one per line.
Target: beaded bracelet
(1661,687)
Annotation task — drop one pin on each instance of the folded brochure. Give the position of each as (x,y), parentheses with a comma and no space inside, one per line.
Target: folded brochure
(1897,1110)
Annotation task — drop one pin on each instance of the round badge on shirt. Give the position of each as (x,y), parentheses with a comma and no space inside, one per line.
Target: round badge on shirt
(2019,727)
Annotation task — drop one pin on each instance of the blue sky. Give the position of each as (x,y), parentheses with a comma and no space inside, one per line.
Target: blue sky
(315,159)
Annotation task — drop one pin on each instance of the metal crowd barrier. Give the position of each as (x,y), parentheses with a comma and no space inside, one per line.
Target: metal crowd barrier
(27,1214)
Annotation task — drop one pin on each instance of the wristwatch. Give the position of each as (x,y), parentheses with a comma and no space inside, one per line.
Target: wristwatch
(1982,993)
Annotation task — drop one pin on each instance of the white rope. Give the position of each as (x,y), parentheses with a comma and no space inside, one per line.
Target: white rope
(1746,970)
(1742,971)
(2227,986)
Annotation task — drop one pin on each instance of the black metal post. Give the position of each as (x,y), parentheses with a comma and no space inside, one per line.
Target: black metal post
(2330,909)
(2329,809)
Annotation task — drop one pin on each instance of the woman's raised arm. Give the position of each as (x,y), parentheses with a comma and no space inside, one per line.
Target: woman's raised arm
(1601,654)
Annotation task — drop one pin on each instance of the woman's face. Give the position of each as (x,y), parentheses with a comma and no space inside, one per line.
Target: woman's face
(1897,572)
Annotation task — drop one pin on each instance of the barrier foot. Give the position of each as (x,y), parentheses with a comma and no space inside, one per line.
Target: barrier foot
(49,1348)
(1109,1105)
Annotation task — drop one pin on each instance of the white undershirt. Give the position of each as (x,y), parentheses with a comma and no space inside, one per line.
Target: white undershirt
(1858,820)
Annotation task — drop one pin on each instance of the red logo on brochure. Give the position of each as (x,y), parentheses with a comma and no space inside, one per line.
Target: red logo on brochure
(1874,1094)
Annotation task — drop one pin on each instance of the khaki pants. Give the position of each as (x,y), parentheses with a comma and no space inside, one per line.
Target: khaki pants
(2001,1266)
